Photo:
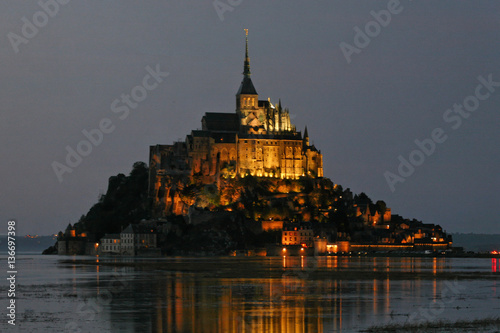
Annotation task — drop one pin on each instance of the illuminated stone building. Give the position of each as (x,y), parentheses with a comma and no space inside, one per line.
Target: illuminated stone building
(297,234)
(258,139)
(372,216)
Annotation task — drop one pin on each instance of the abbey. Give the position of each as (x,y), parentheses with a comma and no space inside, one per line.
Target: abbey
(258,139)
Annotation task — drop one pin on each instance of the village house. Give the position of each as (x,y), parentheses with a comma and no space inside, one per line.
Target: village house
(298,234)
(110,244)
(136,239)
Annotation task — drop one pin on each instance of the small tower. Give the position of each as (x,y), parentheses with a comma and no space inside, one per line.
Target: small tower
(246,97)
(306,138)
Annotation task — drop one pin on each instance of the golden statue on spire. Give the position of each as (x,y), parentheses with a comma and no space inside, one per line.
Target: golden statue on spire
(246,32)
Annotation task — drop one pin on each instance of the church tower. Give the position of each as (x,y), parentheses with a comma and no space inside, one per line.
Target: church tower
(247,98)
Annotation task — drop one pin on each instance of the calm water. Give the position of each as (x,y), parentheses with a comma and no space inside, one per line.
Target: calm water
(293,294)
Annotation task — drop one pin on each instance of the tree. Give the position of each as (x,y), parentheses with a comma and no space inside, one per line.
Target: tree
(362,199)
(381,206)
(126,201)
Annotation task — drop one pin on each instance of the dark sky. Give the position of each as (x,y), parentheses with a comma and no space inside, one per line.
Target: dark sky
(362,114)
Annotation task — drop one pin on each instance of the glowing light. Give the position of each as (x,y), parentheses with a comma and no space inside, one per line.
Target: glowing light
(284,249)
(495,252)
(332,248)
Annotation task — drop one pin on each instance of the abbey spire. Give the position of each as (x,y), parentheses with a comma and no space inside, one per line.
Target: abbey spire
(246,86)
(246,64)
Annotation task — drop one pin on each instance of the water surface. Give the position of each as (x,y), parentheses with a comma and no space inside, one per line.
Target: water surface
(247,294)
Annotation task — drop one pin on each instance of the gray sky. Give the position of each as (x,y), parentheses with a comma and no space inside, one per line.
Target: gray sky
(362,115)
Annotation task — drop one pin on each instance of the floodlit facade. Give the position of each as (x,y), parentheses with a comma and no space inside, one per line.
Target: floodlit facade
(258,139)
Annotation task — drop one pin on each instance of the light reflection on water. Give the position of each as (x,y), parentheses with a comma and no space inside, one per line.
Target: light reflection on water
(282,294)
(297,302)
(495,265)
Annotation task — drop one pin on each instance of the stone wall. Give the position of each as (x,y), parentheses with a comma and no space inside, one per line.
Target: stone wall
(71,247)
